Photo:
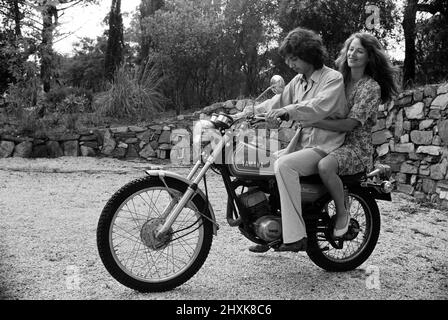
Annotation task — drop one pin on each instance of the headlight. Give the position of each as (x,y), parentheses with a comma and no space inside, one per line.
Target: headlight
(387,187)
(223,121)
(202,130)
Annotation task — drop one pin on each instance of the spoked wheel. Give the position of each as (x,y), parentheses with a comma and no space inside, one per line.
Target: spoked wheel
(126,239)
(359,242)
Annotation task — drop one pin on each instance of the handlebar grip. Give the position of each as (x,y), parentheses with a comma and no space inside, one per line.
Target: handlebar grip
(284,117)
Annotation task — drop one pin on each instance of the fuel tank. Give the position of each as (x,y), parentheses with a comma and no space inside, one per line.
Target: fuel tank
(252,159)
(261,167)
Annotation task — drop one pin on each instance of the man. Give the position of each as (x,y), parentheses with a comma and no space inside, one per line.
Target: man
(316,93)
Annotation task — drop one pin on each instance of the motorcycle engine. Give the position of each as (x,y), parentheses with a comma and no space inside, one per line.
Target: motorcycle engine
(266,226)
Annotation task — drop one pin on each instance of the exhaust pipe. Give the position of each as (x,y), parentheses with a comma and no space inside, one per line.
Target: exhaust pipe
(230,218)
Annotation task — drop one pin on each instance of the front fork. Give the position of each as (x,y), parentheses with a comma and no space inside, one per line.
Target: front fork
(171,216)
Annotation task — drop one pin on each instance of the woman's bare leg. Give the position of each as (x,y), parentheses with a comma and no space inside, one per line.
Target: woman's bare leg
(328,171)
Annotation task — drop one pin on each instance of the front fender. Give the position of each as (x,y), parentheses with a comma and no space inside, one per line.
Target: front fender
(162,174)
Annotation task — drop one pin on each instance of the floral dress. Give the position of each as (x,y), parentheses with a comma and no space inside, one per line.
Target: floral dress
(356,154)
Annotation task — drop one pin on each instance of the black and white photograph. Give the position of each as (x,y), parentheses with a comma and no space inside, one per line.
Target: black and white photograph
(224,158)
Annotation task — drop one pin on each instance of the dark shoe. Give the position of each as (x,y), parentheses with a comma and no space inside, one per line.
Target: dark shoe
(297,246)
(259,248)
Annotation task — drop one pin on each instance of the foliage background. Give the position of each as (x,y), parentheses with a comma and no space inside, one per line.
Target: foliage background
(199,52)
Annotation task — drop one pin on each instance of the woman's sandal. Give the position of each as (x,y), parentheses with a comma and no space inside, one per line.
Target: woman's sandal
(338,233)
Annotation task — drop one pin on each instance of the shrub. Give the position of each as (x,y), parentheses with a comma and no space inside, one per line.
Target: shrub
(133,92)
(73,104)
(57,95)
(69,100)
(29,123)
(71,121)
(22,95)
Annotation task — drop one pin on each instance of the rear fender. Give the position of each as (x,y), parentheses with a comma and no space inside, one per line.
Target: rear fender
(375,193)
(380,195)
(161,174)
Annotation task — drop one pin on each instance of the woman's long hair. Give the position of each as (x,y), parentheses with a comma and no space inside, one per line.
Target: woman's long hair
(379,66)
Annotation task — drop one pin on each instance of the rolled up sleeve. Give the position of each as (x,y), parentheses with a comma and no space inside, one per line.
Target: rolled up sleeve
(279,100)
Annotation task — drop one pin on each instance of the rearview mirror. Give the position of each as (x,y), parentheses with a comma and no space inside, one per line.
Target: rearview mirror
(277,84)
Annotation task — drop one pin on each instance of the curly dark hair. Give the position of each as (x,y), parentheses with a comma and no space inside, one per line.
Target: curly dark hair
(379,66)
(306,45)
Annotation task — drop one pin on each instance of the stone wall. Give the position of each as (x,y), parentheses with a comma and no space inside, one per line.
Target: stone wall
(170,139)
(125,142)
(411,136)
(151,141)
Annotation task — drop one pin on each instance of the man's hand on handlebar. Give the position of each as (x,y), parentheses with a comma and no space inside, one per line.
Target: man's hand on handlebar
(273,117)
(277,115)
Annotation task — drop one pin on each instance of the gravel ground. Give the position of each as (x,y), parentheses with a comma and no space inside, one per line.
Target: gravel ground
(49,211)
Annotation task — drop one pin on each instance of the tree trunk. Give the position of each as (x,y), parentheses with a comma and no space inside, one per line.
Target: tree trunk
(46,48)
(251,88)
(115,45)
(409,26)
(17,19)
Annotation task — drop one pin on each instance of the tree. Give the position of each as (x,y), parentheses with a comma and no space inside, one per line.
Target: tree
(15,48)
(249,29)
(12,12)
(146,9)
(6,76)
(17,17)
(412,7)
(432,49)
(184,38)
(40,20)
(336,20)
(49,11)
(86,68)
(115,43)
(212,50)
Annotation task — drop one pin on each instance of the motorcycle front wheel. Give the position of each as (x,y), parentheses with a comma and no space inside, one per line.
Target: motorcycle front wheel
(358,243)
(127,245)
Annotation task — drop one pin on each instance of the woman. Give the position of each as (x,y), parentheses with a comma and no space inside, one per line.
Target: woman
(369,81)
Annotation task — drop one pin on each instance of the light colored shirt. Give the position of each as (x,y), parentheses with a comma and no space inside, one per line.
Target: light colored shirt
(321,97)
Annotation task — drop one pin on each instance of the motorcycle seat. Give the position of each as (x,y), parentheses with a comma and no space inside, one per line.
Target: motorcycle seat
(315,179)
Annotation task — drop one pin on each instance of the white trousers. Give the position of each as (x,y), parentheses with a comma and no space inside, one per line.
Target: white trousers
(288,169)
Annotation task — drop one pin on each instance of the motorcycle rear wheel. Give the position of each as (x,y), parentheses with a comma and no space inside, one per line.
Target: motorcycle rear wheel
(364,231)
(126,242)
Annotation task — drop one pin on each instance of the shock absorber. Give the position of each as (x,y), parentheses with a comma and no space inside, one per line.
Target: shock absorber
(346,201)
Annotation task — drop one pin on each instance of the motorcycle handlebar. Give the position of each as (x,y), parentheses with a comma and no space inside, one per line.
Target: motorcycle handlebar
(262,116)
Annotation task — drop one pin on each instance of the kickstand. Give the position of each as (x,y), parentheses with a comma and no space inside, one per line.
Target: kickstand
(275,243)
(336,243)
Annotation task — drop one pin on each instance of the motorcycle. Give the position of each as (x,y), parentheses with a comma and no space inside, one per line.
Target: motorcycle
(155,233)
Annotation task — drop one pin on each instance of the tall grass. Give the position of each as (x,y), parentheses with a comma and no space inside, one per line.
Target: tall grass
(133,92)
